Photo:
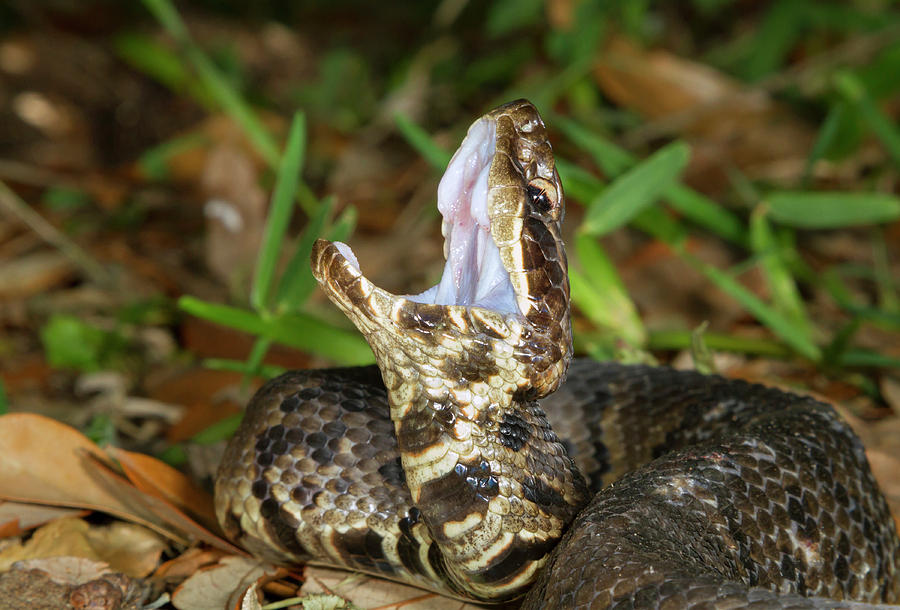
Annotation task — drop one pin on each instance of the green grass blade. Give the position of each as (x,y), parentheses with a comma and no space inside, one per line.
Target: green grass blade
(706,213)
(505,16)
(297,281)
(219,88)
(597,290)
(776,35)
(657,222)
(681,339)
(233,317)
(219,431)
(344,225)
(165,13)
(266,371)
(837,288)
(831,210)
(160,63)
(578,183)
(609,157)
(154,163)
(224,95)
(421,140)
(767,315)
(701,353)
(888,298)
(316,336)
(853,90)
(298,330)
(839,344)
(234,105)
(279,213)
(825,138)
(866,358)
(613,160)
(635,190)
(782,286)
(257,353)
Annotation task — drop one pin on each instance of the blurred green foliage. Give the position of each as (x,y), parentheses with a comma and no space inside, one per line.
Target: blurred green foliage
(488,53)
(71,343)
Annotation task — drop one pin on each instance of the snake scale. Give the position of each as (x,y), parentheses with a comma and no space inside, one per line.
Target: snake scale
(467,463)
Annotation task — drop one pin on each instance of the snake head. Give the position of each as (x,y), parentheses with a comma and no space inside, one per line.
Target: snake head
(500,313)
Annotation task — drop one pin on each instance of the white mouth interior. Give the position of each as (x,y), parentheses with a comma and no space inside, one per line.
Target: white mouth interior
(473,275)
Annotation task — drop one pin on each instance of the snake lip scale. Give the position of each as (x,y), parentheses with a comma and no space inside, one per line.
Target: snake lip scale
(478,459)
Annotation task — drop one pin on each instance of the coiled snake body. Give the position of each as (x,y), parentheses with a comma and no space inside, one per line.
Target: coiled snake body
(463,462)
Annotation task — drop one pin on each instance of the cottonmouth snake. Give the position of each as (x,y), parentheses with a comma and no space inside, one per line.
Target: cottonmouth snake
(456,465)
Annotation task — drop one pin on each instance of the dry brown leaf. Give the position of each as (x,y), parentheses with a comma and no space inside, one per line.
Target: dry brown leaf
(67,570)
(220,586)
(60,538)
(890,390)
(44,461)
(124,547)
(886,468)
(207,340)
(726,121)
(235,212)
(72,471)
(34,273)
(157,478)
(657,83)
(127,548)
(18,517)
(250,599)
(188,563)
(175,523)
(24,372)
(370,592)
(186,166)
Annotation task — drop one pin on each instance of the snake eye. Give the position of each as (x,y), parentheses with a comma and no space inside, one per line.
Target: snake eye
(544,197)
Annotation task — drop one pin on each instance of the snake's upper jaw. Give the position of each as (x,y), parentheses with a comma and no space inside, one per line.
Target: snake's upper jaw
(505,276)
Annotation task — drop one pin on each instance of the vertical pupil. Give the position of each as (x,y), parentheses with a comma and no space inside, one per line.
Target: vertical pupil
(539,197)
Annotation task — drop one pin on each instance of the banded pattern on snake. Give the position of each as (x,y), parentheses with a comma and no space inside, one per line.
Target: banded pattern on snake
(464,463)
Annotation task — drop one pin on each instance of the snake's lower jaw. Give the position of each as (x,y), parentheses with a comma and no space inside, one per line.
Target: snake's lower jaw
(419,342)
(504,292)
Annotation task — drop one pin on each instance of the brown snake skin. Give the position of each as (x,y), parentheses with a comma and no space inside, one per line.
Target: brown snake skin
(440,467)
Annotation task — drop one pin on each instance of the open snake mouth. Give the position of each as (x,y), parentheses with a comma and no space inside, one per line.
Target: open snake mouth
(504,289)
(474,275)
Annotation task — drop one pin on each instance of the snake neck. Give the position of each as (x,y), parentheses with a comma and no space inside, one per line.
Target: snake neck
(492,482)
(464,361)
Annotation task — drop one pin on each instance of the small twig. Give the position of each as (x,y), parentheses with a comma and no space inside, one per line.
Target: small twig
(17,171)
(17,208)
